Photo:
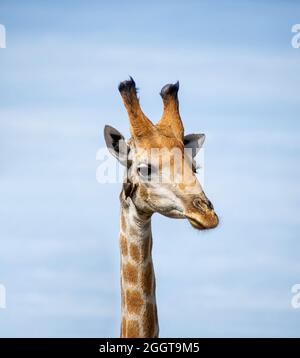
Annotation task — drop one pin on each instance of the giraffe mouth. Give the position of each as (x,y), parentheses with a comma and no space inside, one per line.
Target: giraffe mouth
(196,224)
(206,222)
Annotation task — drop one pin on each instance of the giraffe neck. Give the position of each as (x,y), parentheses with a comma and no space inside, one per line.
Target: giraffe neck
(139,312)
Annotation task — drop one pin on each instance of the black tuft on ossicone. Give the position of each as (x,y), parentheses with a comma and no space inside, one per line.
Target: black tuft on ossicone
(170,90)
(127,86)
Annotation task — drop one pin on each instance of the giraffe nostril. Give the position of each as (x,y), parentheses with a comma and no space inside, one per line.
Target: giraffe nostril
(203,204)
(199,204)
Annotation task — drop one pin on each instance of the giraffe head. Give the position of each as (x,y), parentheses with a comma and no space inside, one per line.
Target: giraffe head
(159,161)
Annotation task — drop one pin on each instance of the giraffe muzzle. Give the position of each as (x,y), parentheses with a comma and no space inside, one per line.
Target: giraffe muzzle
(204,217)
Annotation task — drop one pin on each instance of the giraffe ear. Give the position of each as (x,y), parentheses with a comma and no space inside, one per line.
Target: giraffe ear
(194,142)
(116,144)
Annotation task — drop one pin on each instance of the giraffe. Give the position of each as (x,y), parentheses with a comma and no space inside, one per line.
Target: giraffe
(181,196)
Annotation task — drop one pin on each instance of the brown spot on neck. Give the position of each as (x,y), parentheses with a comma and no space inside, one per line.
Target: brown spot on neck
(130,273)
(123,328)
(147,279)
(123,245)
(133,330)
(146,247)
(149,321)
(134,252)
(134,301)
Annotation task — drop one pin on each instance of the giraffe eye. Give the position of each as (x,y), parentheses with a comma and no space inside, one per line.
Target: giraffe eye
(144,170)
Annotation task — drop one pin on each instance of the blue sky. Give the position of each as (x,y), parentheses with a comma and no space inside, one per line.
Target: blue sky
(240,83)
